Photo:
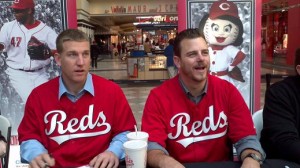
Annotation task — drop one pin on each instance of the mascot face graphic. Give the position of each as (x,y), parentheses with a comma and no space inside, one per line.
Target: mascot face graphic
(223,30)
(220,32)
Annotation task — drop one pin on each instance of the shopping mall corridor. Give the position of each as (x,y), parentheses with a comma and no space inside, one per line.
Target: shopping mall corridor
(137,92)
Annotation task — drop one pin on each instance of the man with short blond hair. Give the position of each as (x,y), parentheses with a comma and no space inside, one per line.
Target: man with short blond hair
(78,118)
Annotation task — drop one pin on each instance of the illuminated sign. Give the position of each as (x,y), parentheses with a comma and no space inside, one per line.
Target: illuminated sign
(142,8)
(156,19)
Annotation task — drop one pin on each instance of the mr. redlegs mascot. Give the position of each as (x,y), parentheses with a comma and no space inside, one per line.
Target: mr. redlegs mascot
(223,31)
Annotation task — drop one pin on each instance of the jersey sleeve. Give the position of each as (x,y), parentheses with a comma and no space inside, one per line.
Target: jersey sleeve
(32,122)
(52,35)
(239,120)
(153,120)
(124,119)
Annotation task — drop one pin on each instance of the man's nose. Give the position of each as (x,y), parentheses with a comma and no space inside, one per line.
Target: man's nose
(200,57)
(80,60)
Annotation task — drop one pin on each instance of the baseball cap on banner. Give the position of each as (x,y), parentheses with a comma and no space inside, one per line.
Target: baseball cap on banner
(221,8)
(22,4)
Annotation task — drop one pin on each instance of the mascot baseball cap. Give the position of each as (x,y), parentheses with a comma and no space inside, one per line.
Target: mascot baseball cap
(221,8)
(22,4)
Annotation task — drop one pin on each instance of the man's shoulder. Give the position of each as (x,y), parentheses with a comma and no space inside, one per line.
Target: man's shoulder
(219,84)
(10,23)
(287,83)
(43,24)
(100,81)
(46,90)
(97,78)
(49,85)
(167,86)
(216,80)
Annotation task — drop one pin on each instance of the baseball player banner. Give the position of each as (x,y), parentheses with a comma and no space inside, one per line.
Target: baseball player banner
(27,43)
(228,28)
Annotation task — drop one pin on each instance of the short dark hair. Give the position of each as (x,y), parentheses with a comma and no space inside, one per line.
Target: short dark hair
(70,35)
(171,41)
(297,58)
(190,33)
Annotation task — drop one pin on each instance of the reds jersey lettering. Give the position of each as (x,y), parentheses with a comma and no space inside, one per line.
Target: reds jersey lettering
(198,127)
(68,131)
(15,41)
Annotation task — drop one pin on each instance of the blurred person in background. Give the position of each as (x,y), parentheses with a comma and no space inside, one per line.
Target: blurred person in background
(119,47)
(280,136)
(95,52)
(169,52)
(147,45)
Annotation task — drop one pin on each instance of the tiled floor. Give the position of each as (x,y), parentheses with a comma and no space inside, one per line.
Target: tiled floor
(137,93)
(136,97)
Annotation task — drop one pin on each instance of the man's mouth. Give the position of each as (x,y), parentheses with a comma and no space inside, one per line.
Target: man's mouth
(200,68)
(79,71)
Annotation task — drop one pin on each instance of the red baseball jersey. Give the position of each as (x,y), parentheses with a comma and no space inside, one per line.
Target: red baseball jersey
(202,132)
(75,132)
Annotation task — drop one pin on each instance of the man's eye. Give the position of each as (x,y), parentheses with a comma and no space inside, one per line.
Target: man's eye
(192,55)
(205,52)
(72,55)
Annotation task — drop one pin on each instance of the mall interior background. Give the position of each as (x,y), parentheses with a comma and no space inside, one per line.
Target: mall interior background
(131,21)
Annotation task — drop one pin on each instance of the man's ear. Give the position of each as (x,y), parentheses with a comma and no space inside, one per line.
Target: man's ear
(57,59)
(176,60)
(298,69)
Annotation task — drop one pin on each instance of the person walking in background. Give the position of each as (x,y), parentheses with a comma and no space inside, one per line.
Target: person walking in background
(114,50)
(196,117)
(170,53)
(119,48)
(147,46)
(280,136)
(76,119)
(95,52)
(28,54)
(123,45)
(170,62)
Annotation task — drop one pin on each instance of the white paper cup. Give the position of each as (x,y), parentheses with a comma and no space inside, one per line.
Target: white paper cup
(135,153)
(139,135)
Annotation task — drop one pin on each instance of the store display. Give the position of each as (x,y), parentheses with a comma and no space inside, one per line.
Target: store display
(158,62)
(147,68)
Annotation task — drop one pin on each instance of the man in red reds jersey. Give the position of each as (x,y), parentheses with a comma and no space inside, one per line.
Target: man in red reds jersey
(78,118)
(196,117)
(26,72)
